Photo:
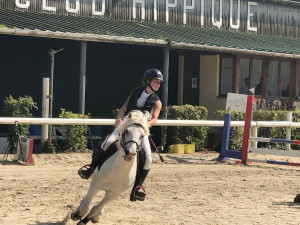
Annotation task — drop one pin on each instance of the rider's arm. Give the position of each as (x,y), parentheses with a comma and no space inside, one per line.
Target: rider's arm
(155,114)
(121,112)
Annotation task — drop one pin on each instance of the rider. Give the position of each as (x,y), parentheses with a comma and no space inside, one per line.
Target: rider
(142,98)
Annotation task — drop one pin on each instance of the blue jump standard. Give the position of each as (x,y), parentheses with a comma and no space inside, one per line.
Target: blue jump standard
(225,152)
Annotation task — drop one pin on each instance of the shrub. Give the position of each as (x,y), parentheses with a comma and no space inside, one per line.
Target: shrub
(270,132)
(296,131)
(184,134)
(47,147)
(75,135)
(20,107)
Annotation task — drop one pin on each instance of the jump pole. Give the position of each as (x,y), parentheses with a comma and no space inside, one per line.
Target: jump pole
(248,119)
(225,152)
(247,138)
(29,161)
(274,151)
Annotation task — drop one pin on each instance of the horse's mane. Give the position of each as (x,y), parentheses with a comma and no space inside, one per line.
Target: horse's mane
(135,116)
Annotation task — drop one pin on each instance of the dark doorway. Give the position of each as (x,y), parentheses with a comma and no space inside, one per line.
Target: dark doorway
(191,79)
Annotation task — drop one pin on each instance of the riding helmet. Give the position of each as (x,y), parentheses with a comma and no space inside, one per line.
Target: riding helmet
(153,74)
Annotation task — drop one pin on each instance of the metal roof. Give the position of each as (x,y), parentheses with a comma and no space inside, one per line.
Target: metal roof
(26,23)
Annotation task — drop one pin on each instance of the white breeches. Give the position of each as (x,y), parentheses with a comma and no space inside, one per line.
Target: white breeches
(114,136)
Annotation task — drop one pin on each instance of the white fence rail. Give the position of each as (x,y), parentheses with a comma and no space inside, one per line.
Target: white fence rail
(204,123)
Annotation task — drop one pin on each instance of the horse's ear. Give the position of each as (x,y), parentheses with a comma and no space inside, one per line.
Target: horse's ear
(146,114)
(130,115)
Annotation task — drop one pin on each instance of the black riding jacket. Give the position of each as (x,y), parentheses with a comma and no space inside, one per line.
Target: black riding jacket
(136,94)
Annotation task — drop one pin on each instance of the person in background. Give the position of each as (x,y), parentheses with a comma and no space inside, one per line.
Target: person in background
(258,88)
(245,89)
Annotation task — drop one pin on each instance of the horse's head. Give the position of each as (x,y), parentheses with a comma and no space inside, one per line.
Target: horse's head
(132,130)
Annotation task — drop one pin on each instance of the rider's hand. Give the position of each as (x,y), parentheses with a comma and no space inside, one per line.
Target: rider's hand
(118,121)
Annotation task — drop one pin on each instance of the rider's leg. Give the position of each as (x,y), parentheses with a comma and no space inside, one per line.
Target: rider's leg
(110,139)
(98,154)
(143,173)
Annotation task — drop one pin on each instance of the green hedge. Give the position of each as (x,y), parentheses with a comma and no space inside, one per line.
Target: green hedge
(20,107)
(296,131)
(187,135)
(75,135)
(236,134)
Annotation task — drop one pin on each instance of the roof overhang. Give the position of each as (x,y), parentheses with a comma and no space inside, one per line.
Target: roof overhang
(126,32)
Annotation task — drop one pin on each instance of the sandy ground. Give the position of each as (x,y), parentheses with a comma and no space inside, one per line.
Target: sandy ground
(185,190)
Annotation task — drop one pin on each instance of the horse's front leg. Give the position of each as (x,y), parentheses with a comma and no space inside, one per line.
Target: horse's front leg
(98,210)
(83,208)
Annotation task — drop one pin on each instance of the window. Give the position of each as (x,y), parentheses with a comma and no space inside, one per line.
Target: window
(256,75)
(251,76)
(285,79)
(244,82)
(226,75)
(273,79)
(279,78)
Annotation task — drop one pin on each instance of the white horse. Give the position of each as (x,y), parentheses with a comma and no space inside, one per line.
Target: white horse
(118,172)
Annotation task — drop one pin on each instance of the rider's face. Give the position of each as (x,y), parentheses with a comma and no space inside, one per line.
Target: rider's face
(155,84)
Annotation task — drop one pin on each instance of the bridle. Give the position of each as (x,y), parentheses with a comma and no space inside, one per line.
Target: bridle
(123,143)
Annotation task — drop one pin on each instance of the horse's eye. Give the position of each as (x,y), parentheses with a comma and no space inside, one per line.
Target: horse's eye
(126,131)
(142,136)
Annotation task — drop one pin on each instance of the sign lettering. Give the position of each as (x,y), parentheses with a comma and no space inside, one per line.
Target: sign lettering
(99,8)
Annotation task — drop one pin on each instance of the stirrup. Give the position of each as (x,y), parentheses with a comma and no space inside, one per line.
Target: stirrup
(138,195)
(87,173)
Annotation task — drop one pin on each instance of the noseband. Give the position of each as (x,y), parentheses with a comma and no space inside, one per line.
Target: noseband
(123,143)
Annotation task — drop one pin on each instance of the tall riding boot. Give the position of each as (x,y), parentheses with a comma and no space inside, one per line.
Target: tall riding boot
(136,194)
(86,171)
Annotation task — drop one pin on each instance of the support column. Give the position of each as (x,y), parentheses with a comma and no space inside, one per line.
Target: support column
(82,80)
(165,93)
(180,79)
(45,108)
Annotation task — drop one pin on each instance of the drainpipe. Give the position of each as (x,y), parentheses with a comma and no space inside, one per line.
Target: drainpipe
(52,55)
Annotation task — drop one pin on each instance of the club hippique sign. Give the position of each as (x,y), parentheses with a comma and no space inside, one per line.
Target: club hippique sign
(217,10)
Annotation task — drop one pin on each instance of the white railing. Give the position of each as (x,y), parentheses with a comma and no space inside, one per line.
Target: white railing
(205,123)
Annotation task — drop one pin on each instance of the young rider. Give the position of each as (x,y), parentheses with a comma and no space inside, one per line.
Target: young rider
(142,98)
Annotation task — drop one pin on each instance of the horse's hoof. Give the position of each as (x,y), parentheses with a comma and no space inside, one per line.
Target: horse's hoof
(297,199)
(94,221)
(84,221)
(75,216)
(81,223)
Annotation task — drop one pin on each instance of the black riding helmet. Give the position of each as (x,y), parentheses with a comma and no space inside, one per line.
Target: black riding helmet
(152,74)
